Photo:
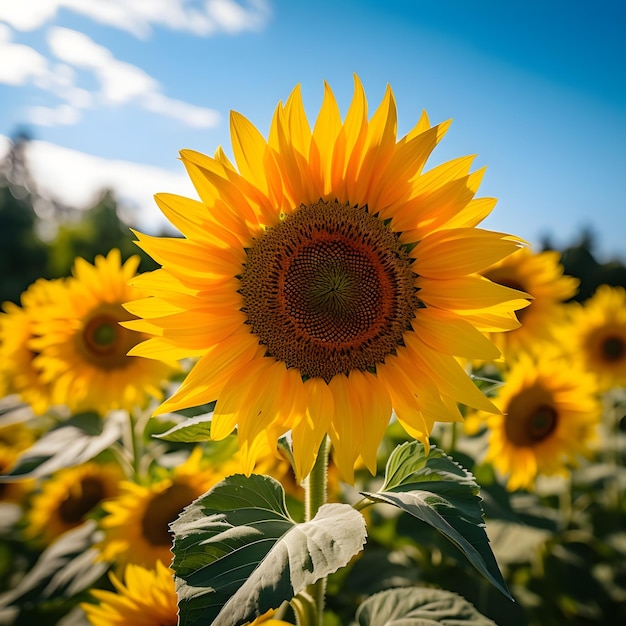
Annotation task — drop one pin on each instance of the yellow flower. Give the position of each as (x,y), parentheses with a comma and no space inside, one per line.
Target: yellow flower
(68,497)
(539,274)
(136,526)
(146,597)
(17,358)
(597,335)
(325,280)
(550,415)
(83,348)
(14,439)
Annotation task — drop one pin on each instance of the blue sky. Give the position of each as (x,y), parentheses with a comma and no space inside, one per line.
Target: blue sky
(112,89)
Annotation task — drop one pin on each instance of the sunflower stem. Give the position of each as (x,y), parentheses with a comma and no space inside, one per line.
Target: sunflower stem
(315,490)
(133,444)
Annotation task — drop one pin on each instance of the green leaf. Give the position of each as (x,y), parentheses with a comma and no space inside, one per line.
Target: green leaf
(415,606)
(64,569)
(438,491)
(190,430)
(75,441)
(238,553)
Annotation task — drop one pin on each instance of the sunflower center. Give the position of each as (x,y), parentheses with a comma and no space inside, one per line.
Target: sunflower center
(81,501)
(103,342)
(164,508)
(613,349)
(329,289)
(529,422)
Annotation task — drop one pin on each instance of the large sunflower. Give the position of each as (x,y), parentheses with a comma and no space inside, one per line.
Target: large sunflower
(146,597)
(550,416)
(83,349)
(540,274)
(136,526)
(325,280)
(68,497)
(17,359)
(597,335)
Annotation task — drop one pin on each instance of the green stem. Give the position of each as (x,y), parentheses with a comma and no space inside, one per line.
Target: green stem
(133,442)
(315,489)
(453,437)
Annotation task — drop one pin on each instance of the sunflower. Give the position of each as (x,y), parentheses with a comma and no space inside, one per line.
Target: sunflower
(540,274)
(136,527)
(597,335)
(145,597)
(14,439)
(68,497)
(550,416)
(17,358)
(83,348)
(324,280)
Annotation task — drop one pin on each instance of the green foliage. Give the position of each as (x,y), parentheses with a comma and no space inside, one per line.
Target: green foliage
(190,430)
(23,256)
(97,232)
(65,569)
(70,443)
(419,607)
(238,552)
(438,491)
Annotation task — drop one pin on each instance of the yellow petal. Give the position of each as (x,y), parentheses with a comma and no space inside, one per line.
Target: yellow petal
(445,332)
(454,252)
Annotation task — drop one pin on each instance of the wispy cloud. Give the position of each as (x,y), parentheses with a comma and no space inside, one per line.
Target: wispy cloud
(119,82)
(26,64)
(198,17)
(62,115)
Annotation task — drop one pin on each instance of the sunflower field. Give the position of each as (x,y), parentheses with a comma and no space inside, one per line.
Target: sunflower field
(331,399)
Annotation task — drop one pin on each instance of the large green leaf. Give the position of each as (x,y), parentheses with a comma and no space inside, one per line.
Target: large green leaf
(438,491)
(72,442)
(416,606)
(238,553)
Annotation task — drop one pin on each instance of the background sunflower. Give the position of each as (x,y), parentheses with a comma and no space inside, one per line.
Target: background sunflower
(82,348)
(68,497)
(550,419)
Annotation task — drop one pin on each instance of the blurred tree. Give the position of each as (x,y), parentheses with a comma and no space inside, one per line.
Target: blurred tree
(23,255)
(578,260)
(98,229)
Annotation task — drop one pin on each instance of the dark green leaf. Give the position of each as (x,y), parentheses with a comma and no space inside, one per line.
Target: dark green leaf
(415,606)
(438,491)
(238,553)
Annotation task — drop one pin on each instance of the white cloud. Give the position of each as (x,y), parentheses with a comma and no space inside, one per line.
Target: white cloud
(120,81)
(25,63)
(60,80)
(62,115)
(199,17)
(190,114)
(77,179)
